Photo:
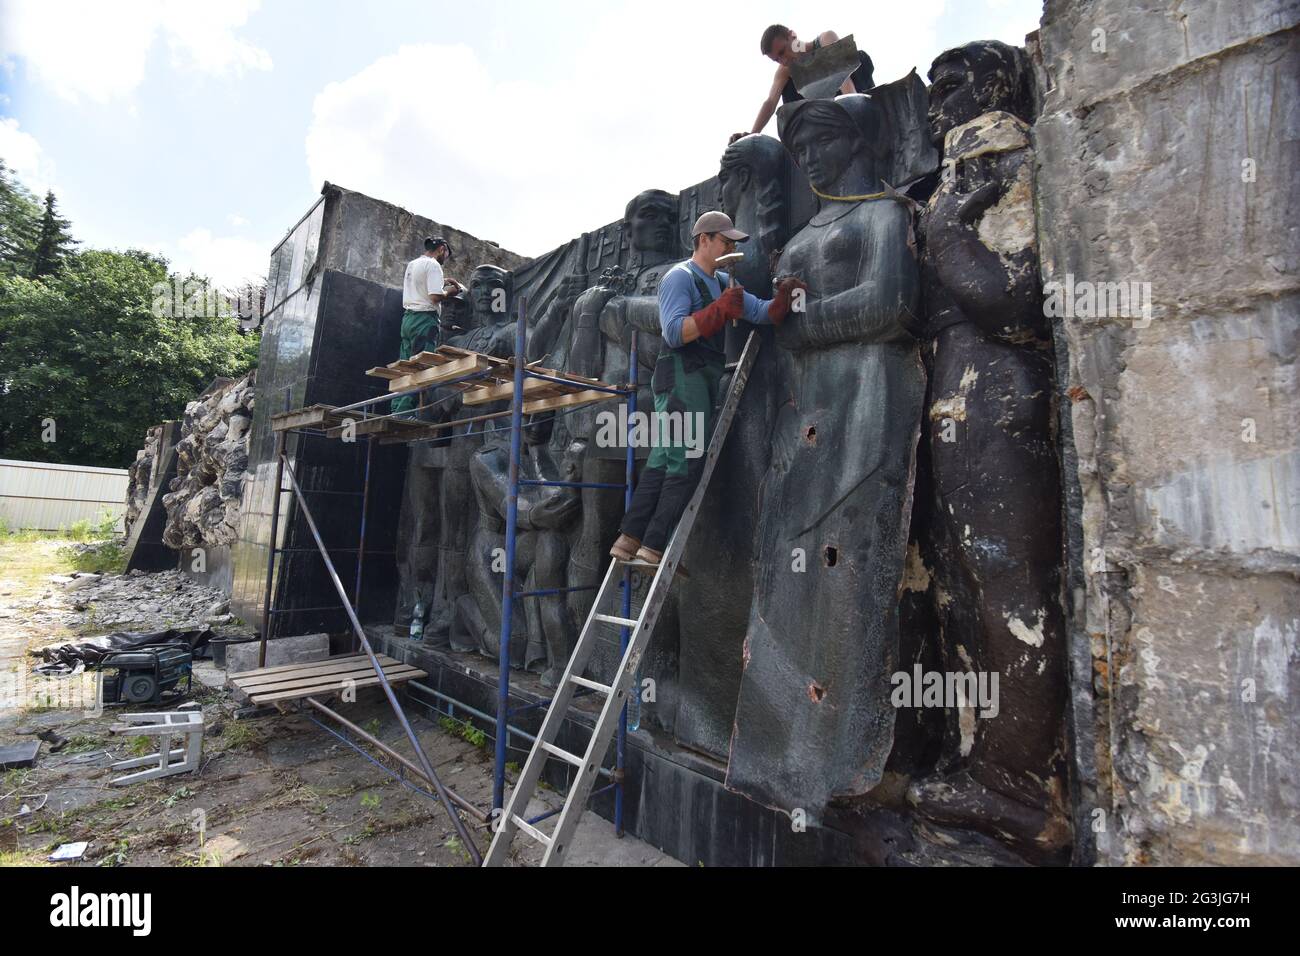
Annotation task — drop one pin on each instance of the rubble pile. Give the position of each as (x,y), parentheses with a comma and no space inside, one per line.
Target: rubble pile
(130,602)
(204,498)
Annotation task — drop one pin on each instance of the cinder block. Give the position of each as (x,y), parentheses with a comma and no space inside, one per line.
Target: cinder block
(301,649)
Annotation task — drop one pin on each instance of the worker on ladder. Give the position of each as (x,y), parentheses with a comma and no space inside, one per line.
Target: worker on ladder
(693,312)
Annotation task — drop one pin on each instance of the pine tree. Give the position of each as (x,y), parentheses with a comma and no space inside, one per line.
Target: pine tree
(53,244)
(20,216)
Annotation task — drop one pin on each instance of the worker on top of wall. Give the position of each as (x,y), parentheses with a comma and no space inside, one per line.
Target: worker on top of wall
(693,313)
(782,45)
(424,288)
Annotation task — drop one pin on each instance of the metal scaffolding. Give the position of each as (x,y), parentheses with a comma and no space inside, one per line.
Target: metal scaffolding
(349,422)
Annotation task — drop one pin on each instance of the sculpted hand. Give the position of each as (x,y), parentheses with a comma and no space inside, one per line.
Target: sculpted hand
(978,203)
(781,302)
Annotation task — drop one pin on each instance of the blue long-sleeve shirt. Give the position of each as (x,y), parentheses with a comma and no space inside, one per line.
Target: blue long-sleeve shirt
(679,298)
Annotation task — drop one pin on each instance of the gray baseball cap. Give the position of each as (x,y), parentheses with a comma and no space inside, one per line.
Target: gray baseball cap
(718,222)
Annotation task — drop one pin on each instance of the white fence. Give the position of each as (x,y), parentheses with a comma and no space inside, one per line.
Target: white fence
(35,495)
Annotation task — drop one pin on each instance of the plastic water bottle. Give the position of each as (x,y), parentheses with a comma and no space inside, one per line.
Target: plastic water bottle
(417,621)
(634,703)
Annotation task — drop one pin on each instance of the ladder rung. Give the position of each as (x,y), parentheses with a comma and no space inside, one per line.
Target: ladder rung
(564,755)
(613,619)
(531,830)
(592,685)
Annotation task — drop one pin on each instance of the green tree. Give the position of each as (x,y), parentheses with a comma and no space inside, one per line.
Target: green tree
(53,241)
(20,217)
(87,360)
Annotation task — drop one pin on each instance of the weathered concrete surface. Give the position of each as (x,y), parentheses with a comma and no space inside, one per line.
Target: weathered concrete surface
(301,649)
(374,240)
(1184,420)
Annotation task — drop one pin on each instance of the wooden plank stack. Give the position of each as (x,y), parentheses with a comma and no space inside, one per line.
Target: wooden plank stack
(493,381)
(269,685)
(495,384)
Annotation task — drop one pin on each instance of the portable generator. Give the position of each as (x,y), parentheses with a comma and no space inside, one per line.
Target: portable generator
(146,674)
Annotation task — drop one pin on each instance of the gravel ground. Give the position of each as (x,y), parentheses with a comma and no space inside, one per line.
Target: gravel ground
(276,790)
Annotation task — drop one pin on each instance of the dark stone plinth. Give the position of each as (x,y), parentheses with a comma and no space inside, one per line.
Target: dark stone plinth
(675,799)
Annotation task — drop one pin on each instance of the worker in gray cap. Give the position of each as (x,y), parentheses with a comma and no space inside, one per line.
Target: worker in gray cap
(696,301)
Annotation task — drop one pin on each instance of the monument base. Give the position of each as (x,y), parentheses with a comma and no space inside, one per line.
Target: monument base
(674,797)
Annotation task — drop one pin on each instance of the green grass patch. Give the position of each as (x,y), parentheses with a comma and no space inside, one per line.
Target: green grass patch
(105,557)
(463,730)
(241,735)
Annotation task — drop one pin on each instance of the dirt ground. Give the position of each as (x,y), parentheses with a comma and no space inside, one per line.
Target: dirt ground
(276,790)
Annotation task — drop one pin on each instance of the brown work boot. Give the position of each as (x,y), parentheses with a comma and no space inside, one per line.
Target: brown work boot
(653,558)
(624,548)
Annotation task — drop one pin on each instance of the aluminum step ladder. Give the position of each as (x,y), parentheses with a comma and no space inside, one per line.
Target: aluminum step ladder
(642,626)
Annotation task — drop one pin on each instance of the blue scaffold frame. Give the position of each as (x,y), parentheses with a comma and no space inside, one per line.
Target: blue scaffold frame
(363,411)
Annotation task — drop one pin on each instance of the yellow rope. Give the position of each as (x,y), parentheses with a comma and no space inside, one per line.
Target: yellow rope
(823,195)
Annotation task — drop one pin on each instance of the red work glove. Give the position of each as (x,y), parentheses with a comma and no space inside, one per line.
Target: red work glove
(726,308)
(779,307)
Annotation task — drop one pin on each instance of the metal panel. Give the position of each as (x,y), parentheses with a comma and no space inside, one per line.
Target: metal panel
(47,497)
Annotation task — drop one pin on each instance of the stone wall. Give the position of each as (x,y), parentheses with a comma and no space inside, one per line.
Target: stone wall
(204,499)
(1168,148)
(141,476)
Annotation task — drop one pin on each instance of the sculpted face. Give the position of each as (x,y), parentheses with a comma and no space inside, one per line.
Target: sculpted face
(652,226)
(824,152)
(733,183)
(975,79)
(952,99)
(489,296)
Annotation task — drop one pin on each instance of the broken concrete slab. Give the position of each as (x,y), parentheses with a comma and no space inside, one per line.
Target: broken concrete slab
(18,756)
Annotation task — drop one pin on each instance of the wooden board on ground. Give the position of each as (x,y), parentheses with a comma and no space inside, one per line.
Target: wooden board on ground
(294,681)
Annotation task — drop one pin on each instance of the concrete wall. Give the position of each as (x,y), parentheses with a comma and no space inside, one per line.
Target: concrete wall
(374,240)
(1168,153)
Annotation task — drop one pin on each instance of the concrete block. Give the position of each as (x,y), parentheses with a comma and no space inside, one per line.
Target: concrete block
(301,649)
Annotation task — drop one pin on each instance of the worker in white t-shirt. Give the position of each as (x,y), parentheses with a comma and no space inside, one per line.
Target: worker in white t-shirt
(423,289)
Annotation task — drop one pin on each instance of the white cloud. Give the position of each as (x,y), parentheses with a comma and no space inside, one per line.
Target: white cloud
(227,260)
(25,157)
(97,50)
(646,103)
(203,36)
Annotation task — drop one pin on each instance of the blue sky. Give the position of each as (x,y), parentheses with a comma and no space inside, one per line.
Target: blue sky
(204,130)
